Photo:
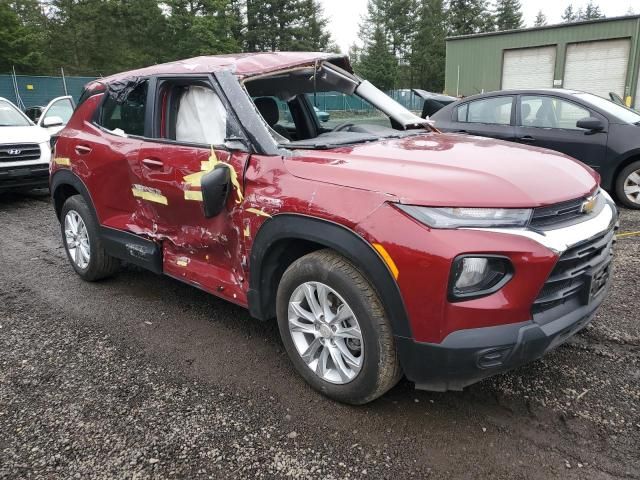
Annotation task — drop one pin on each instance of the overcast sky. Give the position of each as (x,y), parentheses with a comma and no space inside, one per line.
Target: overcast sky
(344,15)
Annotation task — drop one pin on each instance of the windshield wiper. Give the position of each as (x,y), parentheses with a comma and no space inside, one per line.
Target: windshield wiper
(325,145)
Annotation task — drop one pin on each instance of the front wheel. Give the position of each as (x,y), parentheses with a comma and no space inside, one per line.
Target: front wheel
(628,186)
(335,329)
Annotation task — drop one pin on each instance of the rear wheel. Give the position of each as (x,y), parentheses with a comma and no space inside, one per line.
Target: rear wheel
(335,330)
(628,186)
(82,241)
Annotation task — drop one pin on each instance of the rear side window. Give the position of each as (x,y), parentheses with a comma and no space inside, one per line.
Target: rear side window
(127,116)
(550,112)
(461,113)
(496,111)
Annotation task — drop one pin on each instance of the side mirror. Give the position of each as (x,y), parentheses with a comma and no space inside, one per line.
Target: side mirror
(591,124)
(52,121)
(215,187)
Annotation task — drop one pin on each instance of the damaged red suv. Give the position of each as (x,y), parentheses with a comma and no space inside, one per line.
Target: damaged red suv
(382,246)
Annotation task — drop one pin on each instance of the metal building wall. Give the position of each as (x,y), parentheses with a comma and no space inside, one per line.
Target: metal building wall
(478,58)
(34,90)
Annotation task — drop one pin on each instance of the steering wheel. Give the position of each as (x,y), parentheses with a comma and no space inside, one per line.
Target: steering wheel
(342,127)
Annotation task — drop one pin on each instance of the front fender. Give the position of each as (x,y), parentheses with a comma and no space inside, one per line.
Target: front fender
(278,231)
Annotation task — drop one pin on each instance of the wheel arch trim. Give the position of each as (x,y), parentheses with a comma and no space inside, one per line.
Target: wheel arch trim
(66,177)
(287,227)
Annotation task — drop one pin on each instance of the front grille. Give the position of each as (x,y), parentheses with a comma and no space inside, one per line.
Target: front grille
(559,213)
(571,279)
(19,152)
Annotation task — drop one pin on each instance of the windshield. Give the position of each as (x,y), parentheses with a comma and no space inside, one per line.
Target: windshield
(10,116)
(622,113)
(327,106)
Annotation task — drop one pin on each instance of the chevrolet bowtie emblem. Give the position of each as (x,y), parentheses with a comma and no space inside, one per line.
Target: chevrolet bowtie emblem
(589,205)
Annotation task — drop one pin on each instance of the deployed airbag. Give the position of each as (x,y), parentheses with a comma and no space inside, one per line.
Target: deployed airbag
(201,118)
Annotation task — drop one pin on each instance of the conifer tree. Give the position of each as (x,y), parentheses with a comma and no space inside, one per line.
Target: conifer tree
(508,15)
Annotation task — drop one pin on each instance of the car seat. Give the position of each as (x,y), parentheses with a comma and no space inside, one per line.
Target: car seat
(268,108)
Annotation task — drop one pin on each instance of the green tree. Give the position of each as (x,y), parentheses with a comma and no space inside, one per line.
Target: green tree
(378,64)
(508,15)
(541,19)
(203,27)
(311,31)
(469,16)
(428,50)
(271,25)
(396,19)
(569,15)
(22,37)
(99,36)
(592,11)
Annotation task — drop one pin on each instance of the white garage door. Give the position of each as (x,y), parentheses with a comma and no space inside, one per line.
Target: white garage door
(529,67)
(597,67)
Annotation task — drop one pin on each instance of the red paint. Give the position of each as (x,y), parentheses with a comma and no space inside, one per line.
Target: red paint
(351,186)
(242,65)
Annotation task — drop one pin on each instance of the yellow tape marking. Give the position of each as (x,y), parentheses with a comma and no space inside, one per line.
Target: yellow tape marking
(628,234)
(149,196)
(388,260)
(193,195)
(195,179)
(62,161)
(182,261)
(260,213)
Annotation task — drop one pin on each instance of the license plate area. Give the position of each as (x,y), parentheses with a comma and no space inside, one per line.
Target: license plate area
(597,281)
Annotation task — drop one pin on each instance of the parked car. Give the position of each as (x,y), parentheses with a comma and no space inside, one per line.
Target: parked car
(380,250)
(433,102)
(322,116)
(594,130)
(24,150)
(54,116)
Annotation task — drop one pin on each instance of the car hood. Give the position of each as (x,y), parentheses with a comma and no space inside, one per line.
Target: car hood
(450,170)
(30,134)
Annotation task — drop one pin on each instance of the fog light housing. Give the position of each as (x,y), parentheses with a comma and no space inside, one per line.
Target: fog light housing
(474,276)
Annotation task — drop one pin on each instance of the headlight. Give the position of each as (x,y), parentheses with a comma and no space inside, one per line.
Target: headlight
(474,276)
(460,217)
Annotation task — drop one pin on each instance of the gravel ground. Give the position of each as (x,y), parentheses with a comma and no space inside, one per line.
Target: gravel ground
(141,376)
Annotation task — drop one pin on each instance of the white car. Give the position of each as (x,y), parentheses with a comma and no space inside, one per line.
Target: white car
(25,150)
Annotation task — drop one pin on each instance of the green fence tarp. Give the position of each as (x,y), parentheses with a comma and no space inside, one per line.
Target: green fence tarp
(36,90)
(40,90)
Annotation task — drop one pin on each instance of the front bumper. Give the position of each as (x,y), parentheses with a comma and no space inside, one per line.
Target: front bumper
(24,177)
(467,356)
(567,302)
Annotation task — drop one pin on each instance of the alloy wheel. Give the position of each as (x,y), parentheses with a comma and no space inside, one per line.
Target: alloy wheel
(632,187)
(77,239)
(325,333)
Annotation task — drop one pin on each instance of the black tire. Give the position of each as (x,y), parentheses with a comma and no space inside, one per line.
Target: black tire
(100,265)
(380,369)
(620,182)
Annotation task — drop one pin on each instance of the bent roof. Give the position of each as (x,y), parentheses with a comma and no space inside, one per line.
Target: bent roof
(242,64)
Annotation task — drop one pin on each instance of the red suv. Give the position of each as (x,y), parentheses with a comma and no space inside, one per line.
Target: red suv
(382,246)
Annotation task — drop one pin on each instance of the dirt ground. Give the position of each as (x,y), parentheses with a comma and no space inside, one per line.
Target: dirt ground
(141,376)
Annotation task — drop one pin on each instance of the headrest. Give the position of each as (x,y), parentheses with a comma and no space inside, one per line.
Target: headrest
(268,108)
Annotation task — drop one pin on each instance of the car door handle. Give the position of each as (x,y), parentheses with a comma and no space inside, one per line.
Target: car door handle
(82,149)
(151,163)
(527,138)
